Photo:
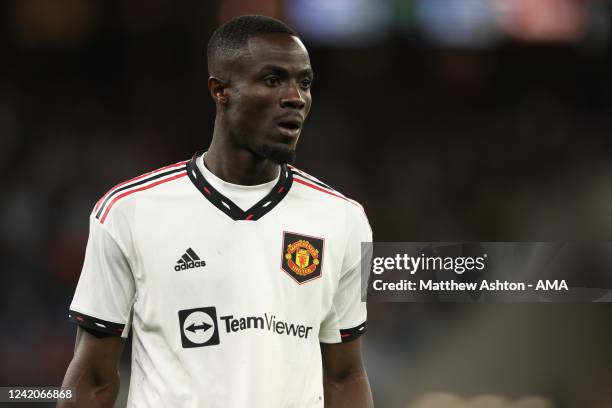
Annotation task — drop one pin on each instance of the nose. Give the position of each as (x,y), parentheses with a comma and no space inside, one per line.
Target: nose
(293,97)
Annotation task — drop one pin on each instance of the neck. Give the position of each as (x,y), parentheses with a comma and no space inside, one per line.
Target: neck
(234,164)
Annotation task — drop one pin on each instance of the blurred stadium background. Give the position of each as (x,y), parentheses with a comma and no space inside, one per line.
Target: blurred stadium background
(448,119)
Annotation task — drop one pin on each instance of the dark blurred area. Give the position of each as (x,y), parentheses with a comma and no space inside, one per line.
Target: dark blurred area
(484,120)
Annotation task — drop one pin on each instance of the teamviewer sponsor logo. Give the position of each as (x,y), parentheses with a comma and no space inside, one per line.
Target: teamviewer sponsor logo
(265,322)
(189,260)
(199,327)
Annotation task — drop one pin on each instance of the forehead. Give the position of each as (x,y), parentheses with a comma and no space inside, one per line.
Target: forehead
(277,49)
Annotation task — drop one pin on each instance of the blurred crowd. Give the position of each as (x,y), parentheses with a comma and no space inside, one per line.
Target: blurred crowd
(497,140)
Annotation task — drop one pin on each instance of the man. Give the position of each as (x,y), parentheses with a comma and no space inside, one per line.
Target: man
(239,274)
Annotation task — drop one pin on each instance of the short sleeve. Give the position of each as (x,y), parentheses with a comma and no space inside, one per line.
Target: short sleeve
(346,320)
(105,292)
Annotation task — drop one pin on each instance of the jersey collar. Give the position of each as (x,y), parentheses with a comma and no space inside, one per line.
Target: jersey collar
(258,210)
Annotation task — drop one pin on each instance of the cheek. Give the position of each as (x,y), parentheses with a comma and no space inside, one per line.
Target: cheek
(308,104)
(255,102)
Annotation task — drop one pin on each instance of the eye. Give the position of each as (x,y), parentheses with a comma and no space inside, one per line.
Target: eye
(306,83)
(272,80)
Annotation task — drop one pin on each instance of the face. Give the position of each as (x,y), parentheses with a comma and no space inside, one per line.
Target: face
(268,96)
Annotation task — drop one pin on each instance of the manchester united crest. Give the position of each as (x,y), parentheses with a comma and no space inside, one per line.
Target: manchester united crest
(302,256)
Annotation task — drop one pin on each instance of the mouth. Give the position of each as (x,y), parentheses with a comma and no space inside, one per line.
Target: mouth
(290,127)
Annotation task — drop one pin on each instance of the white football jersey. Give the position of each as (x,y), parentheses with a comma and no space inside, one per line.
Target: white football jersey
(227,306)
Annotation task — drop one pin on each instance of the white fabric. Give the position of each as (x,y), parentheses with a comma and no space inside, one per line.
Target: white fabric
(129,273)
(243,196)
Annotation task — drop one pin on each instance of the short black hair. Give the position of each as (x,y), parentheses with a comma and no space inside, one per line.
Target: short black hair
(231,36)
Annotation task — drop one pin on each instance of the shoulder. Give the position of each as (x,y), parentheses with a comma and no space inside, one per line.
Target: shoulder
(157,180)
(312,188)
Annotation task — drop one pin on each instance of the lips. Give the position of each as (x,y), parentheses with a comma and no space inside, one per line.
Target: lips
(290,126)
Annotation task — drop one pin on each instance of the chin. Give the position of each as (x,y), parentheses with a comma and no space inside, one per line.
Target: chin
(279,153)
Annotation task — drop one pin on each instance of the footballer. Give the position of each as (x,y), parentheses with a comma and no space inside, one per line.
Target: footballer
(237,274)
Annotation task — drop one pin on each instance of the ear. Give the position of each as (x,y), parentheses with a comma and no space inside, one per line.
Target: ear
(218,90)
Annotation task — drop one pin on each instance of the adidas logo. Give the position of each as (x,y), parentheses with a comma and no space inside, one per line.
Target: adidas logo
(189,260)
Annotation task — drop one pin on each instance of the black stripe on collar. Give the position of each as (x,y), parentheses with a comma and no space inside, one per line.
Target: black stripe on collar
(311,179)
(258,210)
